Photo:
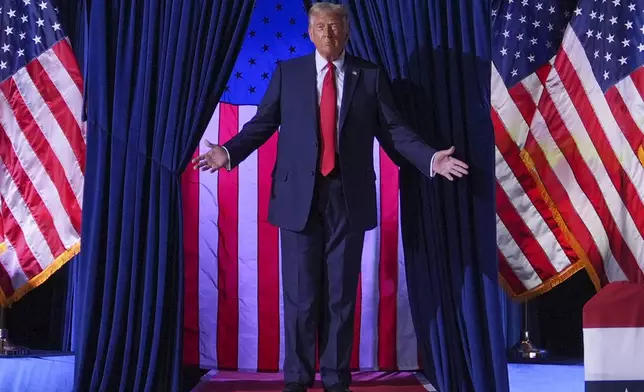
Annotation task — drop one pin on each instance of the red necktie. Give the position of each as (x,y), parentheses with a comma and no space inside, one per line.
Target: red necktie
(328,121)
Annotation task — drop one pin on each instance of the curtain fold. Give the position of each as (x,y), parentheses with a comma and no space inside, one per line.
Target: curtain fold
(438,56)
(154,73)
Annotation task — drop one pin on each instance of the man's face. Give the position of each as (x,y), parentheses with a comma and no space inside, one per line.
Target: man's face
(329,35)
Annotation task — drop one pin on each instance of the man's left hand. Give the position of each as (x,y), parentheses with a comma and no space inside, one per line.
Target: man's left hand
(448,166)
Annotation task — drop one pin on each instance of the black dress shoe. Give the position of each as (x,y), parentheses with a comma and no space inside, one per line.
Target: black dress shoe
(294,387)
(336,388)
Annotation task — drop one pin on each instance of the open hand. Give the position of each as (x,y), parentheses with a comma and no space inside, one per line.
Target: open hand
(448,166)
(213,160)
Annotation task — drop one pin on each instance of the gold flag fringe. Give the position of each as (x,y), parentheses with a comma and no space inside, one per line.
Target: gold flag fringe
(41,277)
(582,264)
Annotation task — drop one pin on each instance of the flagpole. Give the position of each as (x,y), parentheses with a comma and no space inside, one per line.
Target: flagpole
(525,350)
(6,347)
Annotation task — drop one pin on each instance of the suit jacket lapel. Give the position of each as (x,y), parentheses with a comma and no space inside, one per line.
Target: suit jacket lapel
(309,83)
(351,76)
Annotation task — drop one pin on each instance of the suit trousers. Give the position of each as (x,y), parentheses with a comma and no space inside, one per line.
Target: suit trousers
(320,270)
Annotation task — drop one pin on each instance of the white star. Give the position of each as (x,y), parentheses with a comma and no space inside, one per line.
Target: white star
(593,15)
(605,75)
(539,6)
(622,60)
(494,12)
(548,44)
(8,30)
(566,14)
(36,39)
(610,38)
(22,36)
(578,11)
(43,5)
(533,41)
(616,2)
(3,65)
(506,34)
(536,24)
(524,2)
(21,52)
(626,42)
(5,48)
(613,20)
(40,22)
(508,16)
(598,35)
(531,58)
(596,53)
(27,2)
(522,19)
(607,56)
(631,7)
(642,29)
(11,13)
(24,18)
(640,47)
(551,10)
(590,33)
(601,17)
(515,72)
(520,37)
(56,26)
(517,55)
(504,51)
(628,25)
(550,27)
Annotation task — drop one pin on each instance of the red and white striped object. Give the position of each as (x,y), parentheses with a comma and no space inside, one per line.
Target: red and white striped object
(570,181)
(613,322)
(233,297)
(42,159)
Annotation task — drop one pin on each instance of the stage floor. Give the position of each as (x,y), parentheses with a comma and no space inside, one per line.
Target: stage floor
(523,378)
(55,372)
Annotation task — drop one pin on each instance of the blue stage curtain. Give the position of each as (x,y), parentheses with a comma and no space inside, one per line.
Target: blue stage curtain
(155,71)
(437,54)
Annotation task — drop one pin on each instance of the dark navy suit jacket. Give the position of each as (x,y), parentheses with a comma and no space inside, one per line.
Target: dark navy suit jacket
(367,110)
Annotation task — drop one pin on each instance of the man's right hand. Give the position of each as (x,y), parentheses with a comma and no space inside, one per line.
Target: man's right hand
(213,160)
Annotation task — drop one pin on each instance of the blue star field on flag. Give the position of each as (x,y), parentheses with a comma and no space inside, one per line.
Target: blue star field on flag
(29,27)
(276,32)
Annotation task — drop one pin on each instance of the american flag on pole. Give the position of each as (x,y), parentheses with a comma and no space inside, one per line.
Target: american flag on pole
(42,147)
(568,114)
(233,316)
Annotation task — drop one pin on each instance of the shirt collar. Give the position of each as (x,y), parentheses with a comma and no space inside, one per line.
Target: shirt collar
(321,62)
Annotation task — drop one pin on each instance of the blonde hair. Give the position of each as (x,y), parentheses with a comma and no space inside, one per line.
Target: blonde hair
(329,8)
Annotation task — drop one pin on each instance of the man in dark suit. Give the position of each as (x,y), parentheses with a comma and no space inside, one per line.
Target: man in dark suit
(330,106)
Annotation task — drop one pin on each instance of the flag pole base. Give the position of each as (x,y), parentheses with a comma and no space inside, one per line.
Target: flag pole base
(525,350)
(7,349)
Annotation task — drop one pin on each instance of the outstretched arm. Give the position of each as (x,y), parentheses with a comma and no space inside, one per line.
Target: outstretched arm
(394,134)
(255,133)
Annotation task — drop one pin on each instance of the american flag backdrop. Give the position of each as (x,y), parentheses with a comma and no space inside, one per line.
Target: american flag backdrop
(42,146)
(568,114)
(233,317)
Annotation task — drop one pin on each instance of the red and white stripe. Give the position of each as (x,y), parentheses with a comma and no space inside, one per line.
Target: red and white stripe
(583,145)
(42,159)
(613,332)
(234,308)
